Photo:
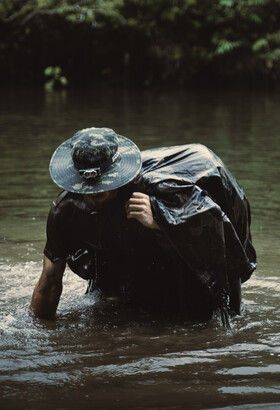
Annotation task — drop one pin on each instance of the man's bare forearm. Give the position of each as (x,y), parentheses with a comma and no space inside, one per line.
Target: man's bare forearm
(48,289)
(45,301)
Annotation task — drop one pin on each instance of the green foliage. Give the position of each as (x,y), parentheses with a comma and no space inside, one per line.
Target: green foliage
(164,39)
(55,80)
(225,46)
(260,44)
(79,12)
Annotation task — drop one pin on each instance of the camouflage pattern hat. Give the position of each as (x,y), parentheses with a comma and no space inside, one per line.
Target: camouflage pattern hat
(95,160)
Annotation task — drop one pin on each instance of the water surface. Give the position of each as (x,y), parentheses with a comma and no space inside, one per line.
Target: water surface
(93,356)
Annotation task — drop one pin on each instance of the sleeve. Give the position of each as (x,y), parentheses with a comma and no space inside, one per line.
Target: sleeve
(202,211)
(204,238)
(57,244)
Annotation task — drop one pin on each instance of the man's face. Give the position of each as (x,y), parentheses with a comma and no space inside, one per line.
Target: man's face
(100,200)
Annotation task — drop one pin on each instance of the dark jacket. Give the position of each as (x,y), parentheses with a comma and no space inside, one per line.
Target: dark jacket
(197,260)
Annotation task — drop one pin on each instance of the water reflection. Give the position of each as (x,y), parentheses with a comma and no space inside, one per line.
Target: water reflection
(101,358)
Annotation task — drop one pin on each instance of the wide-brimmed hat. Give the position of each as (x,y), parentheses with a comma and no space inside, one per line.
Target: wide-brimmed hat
(95,160)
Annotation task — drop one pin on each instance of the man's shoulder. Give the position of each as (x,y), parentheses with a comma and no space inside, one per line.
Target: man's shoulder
(188,161)
(62,196)
(66,201)
(167,151)
(66,208)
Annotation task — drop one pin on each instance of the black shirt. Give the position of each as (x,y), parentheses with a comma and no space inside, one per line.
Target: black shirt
(72,225)
(134,262)
(205,217)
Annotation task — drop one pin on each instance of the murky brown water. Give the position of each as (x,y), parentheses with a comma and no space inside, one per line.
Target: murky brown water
(103,360)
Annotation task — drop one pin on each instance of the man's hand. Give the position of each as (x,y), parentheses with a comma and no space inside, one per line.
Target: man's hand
(48,289)
(139,207)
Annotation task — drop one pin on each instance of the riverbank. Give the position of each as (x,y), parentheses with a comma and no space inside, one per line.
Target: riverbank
(178,43)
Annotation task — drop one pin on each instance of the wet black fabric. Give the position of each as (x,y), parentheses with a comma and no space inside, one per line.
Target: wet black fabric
(202,211)
(197,260)
(125,259)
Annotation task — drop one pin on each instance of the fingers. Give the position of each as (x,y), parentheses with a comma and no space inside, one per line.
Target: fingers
(139,198)
(137,202)
(139,207)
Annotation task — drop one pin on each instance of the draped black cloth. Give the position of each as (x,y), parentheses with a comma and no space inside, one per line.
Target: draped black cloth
(195,262)
(203,212)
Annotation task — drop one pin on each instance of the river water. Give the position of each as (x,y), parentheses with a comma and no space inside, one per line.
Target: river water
(94,357)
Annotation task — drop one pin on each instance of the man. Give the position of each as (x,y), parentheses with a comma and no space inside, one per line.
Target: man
(166,230)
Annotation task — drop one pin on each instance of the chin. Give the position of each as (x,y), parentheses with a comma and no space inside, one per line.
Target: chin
(100,200)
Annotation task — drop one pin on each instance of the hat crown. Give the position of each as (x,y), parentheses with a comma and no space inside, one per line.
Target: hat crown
(92,147)
(95,160)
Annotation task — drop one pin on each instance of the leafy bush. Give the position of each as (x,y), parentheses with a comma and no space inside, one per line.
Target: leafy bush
(146,41)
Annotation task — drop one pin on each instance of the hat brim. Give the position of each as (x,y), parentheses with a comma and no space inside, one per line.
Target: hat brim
(121,172)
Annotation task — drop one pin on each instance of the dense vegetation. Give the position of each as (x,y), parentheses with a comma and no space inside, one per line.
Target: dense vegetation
(140,41)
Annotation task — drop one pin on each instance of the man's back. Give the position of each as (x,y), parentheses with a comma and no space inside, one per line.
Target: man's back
(175,239)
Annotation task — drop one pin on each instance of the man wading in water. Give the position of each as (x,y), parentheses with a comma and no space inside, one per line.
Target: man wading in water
(166,230)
